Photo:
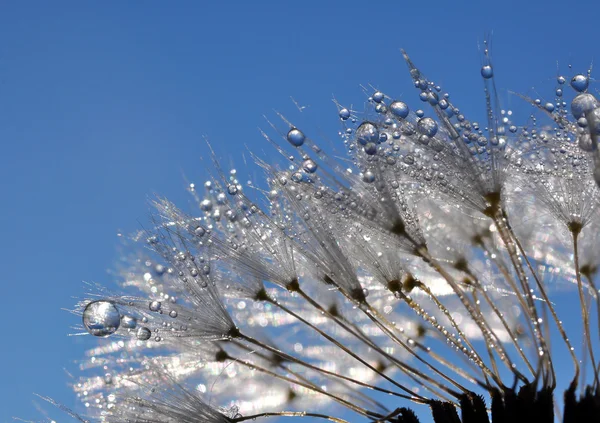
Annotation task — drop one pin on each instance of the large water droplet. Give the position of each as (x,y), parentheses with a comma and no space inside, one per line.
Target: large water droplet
(143,334)
(232,189)
(378,97)
(366,133)
(101,318)
(582,104)
(296,137)
(487,72)
(369,177)
(309,166)
(371,148)
(580,83)
(128,322)
(427,126)
(344,114)
(155,306)
(400,109)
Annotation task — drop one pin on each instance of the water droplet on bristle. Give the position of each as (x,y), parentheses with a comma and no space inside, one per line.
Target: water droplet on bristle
(367,133)
(400,109)
(143,334)
(487,72)
(579,83)
(344,114)
(101,318)
(296,137)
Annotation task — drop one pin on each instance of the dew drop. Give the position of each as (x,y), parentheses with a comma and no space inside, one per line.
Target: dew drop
(487,72)
(378,97)
(427,126)
(367,133)
(143,334)
(580,83)
(232,189)
(128,322)
(344,114)
(309,166)
(371,149)
(296,137)
(206,205)
(400,109)
(369,177)
(101,318)
(582,104)
(155,306)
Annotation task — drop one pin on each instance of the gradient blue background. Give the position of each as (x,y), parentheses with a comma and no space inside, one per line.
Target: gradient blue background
(103,104)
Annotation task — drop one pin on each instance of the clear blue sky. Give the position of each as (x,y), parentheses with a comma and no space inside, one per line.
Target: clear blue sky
(103,104)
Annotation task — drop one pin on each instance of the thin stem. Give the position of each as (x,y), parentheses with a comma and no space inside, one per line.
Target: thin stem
(308,386)
(508,278)
(347,351)
(276,363)
(584,309)
(423,253)
(509,239)
(289,414)
(327,372)
(477,287)
(357,332)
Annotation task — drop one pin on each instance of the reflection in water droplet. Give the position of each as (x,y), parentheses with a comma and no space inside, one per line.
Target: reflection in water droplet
(143,334)
(296,137)
(367,133)
(487,72)
(582,104)
(309,166)
(101,318)
(378,97)
(400,109)
(427,126)
(155,306)
(128,322)
(344,114)
(579,83)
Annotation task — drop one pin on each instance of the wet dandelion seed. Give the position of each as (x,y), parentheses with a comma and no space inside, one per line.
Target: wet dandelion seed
(416,277)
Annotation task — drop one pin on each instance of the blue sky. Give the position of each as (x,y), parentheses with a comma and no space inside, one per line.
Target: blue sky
(103,104)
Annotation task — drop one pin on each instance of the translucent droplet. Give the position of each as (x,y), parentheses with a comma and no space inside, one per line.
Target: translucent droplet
(296,137)
(199,231)
(400,109)
(366,133)
(378,97)
(232,189)
(155,306)
(206,205)
(586,143)
(369,177)
(371,149)
(173,313)
(580,83)
(128,322)
(344,114)
(427,126)
(582,104)
(101,318)
(143,334)
(487,72)
(309,166)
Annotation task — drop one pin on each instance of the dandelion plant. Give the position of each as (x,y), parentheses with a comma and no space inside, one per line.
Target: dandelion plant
(429,274)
